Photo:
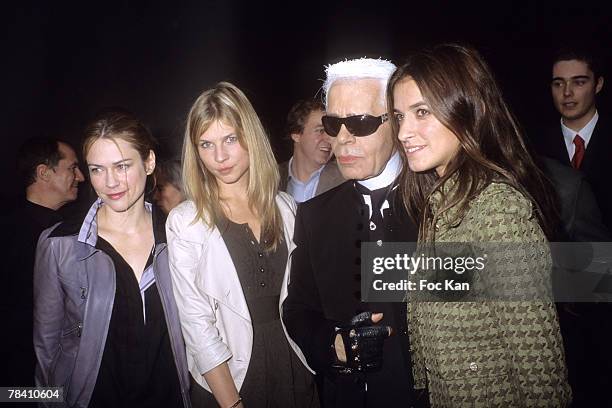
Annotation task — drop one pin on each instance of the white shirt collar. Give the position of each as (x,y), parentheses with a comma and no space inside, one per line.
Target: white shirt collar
(585,133)
(387,176)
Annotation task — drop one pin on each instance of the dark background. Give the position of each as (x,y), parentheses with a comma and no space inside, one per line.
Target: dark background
(63,62)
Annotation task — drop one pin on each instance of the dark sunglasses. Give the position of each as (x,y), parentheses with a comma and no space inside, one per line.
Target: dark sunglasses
(358,125)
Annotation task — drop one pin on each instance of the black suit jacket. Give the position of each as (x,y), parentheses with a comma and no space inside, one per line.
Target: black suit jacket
(580,215)
(595,165)
(324,286)
(586,327)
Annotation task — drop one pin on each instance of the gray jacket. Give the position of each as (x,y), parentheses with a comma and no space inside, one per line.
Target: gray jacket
(74,290)
(330,177)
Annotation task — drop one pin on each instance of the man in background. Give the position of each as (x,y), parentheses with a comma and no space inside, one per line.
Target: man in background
(583,138)
(49,170)
(50,175)
(309,172)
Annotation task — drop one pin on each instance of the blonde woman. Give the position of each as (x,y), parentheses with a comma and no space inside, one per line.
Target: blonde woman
(229,245)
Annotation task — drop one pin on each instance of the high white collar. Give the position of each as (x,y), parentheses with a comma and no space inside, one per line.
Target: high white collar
(387,176)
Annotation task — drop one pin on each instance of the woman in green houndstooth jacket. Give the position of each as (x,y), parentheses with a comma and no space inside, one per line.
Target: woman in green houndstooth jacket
(470,179)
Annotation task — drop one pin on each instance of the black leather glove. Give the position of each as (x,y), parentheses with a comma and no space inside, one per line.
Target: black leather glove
(363,345)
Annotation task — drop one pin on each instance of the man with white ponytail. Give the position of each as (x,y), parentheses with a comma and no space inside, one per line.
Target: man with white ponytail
(359,350)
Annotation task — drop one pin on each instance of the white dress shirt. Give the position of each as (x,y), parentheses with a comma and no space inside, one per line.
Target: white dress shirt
(585,133)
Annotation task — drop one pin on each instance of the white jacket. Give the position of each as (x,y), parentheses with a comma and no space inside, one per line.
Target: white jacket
(213,311)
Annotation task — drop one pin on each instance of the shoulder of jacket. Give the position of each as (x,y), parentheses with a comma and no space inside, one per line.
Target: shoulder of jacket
(336,196)
(184,210)
(331,167)
(56,243)
(182,220)
(285,199)
(503,198)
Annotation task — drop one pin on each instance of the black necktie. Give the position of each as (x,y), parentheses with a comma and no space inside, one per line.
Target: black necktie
(377,198)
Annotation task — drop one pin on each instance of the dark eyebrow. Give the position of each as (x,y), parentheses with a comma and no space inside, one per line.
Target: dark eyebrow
(574,77)
(121,161)
(411,107)
(416,105)
(114,164)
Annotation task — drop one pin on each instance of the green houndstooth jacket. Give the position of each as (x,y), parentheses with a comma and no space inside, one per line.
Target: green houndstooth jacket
(492,353)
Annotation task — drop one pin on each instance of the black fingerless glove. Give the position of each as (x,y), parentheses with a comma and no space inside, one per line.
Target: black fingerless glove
(363,345)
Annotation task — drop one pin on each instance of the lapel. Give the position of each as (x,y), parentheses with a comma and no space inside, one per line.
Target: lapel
(100,292)
(556,147)
(599,150)
(596,155)
(283,170)
(286,206)
(219,276)
(101,284)
(330,177)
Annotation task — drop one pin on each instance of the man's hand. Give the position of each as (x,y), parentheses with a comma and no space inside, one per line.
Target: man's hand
(359,344)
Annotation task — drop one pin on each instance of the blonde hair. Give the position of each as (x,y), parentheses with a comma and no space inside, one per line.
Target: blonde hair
(227,104)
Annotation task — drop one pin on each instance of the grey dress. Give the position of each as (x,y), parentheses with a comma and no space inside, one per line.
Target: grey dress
(275,377)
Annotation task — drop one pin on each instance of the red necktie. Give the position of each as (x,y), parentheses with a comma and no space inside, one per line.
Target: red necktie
(579,153)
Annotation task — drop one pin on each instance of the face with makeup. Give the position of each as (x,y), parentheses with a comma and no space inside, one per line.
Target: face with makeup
(427,143)
(118,174)
(223,156)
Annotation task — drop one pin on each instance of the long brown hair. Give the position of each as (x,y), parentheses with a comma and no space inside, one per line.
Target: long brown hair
(459,88)
(228,104)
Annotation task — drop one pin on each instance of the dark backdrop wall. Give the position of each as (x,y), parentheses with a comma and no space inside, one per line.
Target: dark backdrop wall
(62,63)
